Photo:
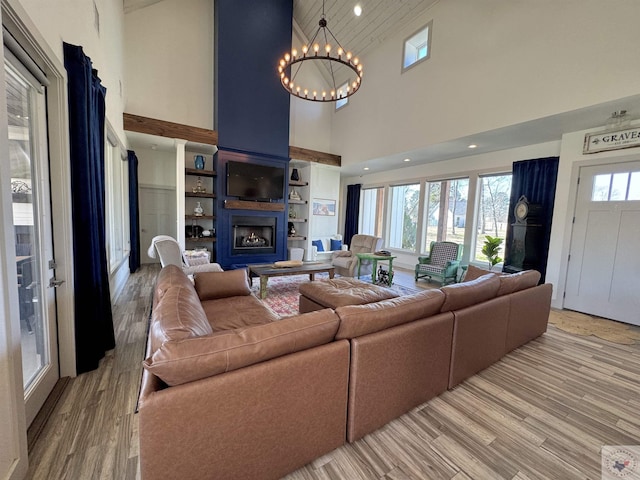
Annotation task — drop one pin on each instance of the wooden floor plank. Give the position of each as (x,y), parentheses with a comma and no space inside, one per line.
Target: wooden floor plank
(544,411)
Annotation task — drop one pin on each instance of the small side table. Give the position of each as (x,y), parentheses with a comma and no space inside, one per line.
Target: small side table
(375,259)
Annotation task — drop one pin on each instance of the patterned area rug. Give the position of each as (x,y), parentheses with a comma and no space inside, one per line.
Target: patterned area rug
(585,325)
(282,292)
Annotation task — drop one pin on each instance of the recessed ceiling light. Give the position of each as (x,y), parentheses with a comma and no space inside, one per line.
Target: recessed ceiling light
(366,168)
(473,145)
(407,160)
(357,10)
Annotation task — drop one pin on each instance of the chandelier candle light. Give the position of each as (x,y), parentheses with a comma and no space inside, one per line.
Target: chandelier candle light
(334,57)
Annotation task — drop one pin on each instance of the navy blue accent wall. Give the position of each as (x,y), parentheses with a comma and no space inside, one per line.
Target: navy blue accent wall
(252,108)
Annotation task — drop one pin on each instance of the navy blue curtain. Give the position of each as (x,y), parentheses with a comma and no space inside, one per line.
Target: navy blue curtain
(94,333)
(536,180)
(134,212)
(353,212)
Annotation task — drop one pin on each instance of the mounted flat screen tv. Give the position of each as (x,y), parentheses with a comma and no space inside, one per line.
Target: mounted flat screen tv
(250,181)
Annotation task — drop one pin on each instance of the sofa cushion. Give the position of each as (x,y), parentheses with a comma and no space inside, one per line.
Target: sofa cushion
(338,292)
(169,276)
(518,281)
(236,312)
(232,283)
(177,316)
(318,245)
(191,359)
(335,244)
(462,295)
(358,320)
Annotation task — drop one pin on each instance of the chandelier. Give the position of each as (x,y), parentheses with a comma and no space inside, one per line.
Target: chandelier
(334,57)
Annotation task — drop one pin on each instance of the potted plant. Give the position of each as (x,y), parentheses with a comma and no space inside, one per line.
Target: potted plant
(491,249)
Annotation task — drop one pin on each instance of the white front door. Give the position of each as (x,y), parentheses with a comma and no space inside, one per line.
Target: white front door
(603,277)
(157,217)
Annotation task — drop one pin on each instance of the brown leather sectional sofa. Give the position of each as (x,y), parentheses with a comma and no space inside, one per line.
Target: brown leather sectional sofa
(229,393)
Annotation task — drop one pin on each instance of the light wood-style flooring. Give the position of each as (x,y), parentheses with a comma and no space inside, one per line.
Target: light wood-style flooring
(542,412)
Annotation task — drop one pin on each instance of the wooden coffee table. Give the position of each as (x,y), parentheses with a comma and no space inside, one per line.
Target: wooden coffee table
(265,271)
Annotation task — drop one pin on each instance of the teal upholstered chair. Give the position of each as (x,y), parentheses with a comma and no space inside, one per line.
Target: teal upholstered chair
(441,263)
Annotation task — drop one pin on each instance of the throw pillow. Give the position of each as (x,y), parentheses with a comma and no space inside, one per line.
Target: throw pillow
(336,244)
(473,273)
(318,245)
(212,285)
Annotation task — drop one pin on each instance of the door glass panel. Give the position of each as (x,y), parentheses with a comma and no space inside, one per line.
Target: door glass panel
(600,192)
(634,186)
(619,186)
(24,188)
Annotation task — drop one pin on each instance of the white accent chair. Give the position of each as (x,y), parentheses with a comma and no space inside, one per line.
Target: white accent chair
(168,249)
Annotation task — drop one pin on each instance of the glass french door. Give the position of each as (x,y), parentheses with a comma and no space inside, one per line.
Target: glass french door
(32,227)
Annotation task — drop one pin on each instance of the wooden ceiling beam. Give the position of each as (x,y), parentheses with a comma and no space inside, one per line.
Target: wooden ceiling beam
(162,128)
(299,153)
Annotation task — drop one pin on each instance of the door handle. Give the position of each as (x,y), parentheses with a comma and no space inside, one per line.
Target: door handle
(55,283)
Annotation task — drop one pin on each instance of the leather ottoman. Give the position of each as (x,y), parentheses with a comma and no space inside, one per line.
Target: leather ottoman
(338,292)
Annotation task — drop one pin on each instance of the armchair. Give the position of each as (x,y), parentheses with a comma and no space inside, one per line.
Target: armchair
(169,252)
(441,263)
(345,262)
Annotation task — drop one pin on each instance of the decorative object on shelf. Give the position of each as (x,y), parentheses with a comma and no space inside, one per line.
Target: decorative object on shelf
(199,160)
(324,207)
(294,195)
(292,230)
(295,176)
(292,213)
(198,211)
(207,233)
(199,188)
(332,57)
(193,231)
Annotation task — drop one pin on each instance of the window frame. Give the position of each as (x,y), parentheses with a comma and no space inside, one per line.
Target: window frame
(345,100)
(389,214)
(424,248)
(380,221)
(429,28)
(476,218)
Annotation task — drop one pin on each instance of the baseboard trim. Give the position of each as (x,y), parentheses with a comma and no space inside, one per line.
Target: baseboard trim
(38,424)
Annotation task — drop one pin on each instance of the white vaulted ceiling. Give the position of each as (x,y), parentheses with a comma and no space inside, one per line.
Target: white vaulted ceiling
(379,19)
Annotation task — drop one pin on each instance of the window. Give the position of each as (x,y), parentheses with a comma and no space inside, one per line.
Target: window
(417,47)
(445,211)
(117,205)
(372,211)
(403,216)
(493,208)
(342,91)
(614,187)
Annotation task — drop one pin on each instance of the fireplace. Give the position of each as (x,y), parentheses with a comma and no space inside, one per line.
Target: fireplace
(253,235)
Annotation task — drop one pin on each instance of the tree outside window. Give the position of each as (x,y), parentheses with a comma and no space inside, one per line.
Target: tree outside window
(403,218)
(492,211)
(446,211)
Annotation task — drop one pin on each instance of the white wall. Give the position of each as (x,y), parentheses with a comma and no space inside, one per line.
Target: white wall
(72,21)
(493,63)
(169,62)
(156,167)
(324,184)
(495,162)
